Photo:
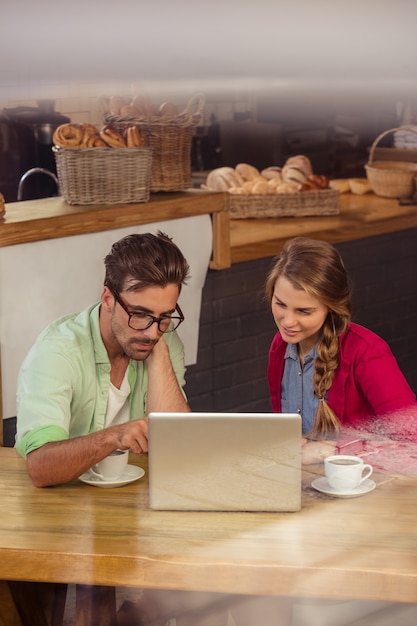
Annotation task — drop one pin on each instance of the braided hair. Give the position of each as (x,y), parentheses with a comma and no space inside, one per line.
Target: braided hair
(318,269)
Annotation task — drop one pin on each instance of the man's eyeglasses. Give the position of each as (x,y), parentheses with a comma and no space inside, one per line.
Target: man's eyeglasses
(142,320)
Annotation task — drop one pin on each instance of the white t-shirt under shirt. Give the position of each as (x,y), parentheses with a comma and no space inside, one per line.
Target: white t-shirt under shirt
(118,403)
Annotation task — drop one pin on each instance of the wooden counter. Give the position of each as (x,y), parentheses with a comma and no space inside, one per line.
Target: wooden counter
(360,216)
(51,218)
(234,241)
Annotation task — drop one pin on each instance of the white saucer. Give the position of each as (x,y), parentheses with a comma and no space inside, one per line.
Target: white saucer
(322,485)
(130,474)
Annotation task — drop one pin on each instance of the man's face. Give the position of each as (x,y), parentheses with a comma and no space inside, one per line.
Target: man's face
(159,302)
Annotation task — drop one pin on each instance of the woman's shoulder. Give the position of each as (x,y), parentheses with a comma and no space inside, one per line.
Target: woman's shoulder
(358,335)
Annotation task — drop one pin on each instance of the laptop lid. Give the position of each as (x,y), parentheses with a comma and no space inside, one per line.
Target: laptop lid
(225,461)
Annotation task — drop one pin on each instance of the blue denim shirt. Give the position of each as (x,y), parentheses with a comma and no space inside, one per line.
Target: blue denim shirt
(297,386)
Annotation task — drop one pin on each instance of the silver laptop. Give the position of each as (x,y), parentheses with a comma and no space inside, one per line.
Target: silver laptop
(225,461)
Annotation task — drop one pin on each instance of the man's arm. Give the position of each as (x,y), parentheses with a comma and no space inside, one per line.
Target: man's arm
(59,462)
(164,391)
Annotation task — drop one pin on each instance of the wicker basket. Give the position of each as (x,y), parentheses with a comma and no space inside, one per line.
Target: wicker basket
(301,204)
(170,138)
(104,175)
(391,179)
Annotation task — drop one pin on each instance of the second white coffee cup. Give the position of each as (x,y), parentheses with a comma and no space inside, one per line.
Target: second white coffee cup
(344,472)
(112,466)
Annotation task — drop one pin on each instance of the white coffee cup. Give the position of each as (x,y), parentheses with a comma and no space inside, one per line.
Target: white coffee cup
(112,466)
(344,472)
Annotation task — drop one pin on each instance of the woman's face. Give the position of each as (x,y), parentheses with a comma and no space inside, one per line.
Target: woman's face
(298,315)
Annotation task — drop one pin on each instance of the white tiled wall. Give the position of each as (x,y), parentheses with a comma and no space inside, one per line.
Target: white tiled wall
(81,102)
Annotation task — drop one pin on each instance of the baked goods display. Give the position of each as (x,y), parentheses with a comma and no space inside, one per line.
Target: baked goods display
(72,135)
(275,191)
(166,129)
(296,175)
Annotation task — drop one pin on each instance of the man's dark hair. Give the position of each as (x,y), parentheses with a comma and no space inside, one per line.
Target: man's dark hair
(145,260)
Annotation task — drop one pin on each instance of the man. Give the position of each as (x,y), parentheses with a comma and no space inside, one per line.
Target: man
(89,381)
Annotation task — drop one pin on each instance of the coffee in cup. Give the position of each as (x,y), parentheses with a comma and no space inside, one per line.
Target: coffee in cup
(344,472)
(111,467)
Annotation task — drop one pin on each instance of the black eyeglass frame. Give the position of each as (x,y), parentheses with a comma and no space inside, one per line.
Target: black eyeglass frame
(154,320)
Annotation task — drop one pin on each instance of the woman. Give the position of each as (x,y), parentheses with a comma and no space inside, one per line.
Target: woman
(321,365)
(335,373)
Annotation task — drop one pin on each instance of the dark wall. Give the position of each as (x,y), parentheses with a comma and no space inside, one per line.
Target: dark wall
(237,326)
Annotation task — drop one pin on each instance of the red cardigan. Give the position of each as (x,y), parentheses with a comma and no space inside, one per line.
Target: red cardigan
(367,383)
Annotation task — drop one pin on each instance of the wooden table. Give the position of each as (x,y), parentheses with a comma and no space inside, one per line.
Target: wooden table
(361,548)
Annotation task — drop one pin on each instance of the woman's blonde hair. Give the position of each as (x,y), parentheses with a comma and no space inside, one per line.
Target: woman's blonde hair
(318,269)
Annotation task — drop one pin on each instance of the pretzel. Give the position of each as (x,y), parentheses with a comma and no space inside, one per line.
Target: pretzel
(68,135)
(112,137)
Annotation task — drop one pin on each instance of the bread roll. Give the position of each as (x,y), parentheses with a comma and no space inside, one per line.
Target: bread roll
(143,105)
(293,174)
(246,171)
(320,180)
(129,110)
(261,187)
(168,109)
(359,186)
(272,172)
(287,188)
(222,178)
(116,103)
(340,184)
(302,162)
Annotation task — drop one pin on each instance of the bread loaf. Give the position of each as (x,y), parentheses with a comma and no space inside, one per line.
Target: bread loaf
(293,174)
(272,172)
(246,171)
(222,178)
(340,184)
(302,162)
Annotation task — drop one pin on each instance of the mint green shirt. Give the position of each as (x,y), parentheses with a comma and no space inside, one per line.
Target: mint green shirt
(64,382)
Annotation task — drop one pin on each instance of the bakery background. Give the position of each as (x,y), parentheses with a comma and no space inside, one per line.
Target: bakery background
(321,79)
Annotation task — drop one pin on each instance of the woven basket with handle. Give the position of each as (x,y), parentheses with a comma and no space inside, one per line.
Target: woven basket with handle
(170,139)
(391,179)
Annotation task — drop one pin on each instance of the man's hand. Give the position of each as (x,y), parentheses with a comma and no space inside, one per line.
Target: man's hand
(59,462)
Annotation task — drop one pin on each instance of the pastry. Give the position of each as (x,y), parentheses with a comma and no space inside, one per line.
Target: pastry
(261,187)
(301,162)
(143,105)
(320,180)
(168,109)
(287,188)
(112,138)
(222,178)
(134,138)
(359,186)
(272,172)
(68,135)
(293,174)
(246,171)
(340,184)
